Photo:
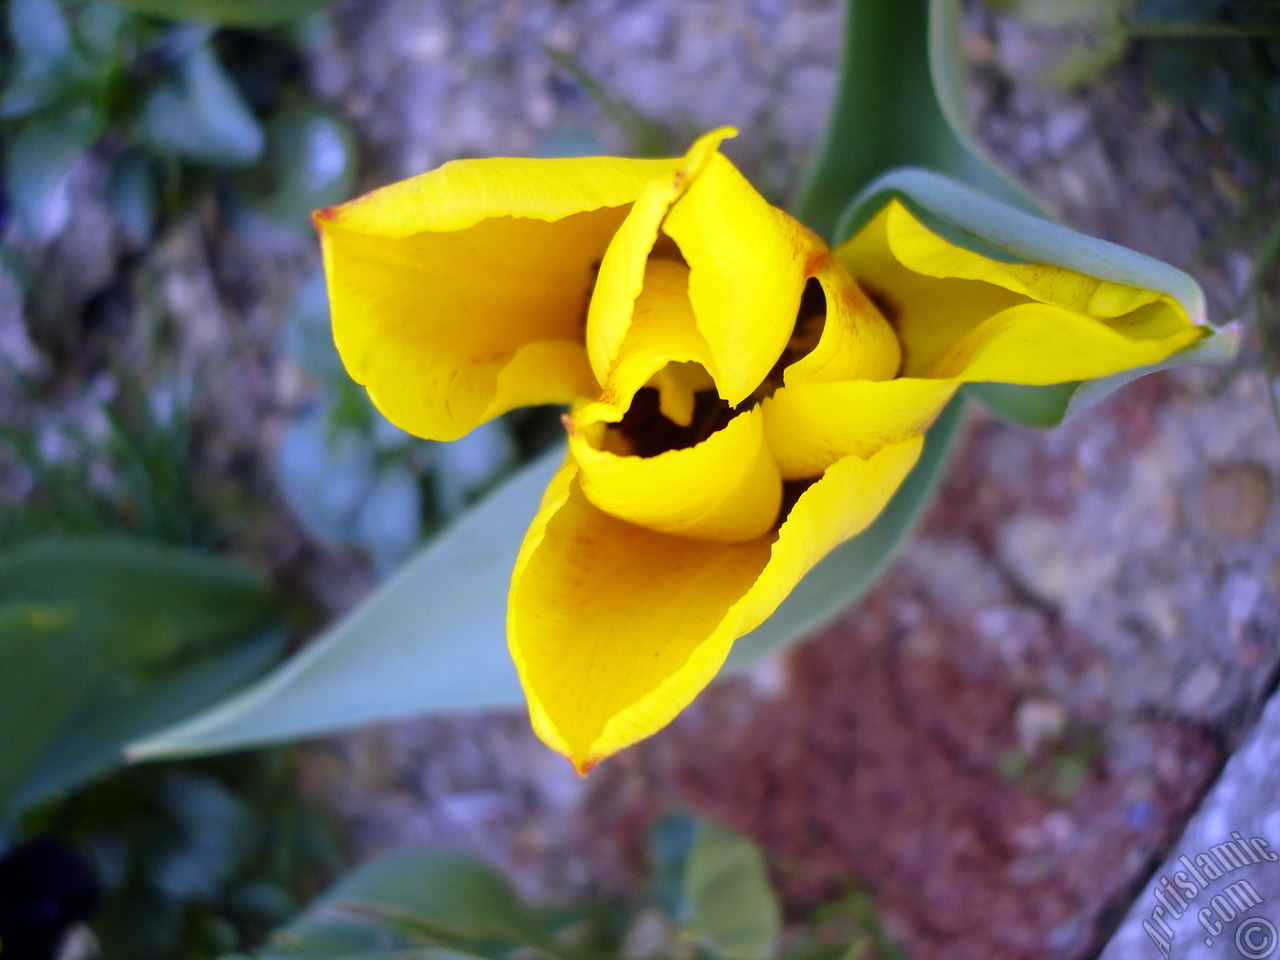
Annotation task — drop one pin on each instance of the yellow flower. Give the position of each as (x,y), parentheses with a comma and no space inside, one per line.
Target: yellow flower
(743,398)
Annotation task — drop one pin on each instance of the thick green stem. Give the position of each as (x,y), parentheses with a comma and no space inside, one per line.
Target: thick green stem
(899,102)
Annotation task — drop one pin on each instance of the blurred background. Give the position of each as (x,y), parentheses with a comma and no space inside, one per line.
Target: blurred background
(983,759)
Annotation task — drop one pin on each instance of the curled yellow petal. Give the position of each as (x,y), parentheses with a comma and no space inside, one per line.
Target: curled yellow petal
(661,330)
(937,295)
(812,425)
(1039,344)
(725,488)
(437,284)
(622,270)
(857,342)
(615,628)
(748,262)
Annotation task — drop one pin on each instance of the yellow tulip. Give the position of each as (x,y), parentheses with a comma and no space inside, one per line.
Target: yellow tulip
(743,399)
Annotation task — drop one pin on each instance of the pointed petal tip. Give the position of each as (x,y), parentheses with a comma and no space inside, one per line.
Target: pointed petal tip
(322,216)
(584,767)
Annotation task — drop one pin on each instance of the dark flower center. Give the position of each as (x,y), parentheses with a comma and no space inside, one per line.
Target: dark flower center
(645,431)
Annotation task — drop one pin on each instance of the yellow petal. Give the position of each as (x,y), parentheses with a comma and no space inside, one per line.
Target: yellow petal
(922,251)
(661,330)
(1040,344)
(603,613)
(748,262)
(810,426)
(463,193)
(724,488)
(622,271)
(437,284)
(615,628)
(837,506)
(937,294)
(857,342)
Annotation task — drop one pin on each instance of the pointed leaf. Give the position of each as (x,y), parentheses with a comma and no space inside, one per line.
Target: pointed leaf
(432,638)
(104,640)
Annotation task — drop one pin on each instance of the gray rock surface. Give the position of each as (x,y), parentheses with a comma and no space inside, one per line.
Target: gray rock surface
(1184,912)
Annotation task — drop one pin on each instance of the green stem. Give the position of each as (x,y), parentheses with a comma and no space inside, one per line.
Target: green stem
(899,102)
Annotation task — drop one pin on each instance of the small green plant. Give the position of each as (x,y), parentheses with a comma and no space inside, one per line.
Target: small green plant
(709,898)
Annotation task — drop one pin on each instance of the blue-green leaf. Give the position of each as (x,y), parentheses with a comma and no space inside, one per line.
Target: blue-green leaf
(39,31)
(39,155)
(432,638)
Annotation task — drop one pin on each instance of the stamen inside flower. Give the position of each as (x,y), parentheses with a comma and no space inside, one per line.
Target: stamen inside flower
(679,406)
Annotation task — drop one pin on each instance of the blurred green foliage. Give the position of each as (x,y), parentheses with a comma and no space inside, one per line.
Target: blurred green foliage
(164,103)
(195,860)
(1222,57)
(119,467)
(240,13)
(105,635)
(710,899)
(104,639)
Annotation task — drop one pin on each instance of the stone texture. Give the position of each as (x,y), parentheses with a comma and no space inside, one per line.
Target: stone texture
(1206,918)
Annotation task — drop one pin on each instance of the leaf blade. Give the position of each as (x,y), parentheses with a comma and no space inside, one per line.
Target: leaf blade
(357,671)
(104,639)
(730,904)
